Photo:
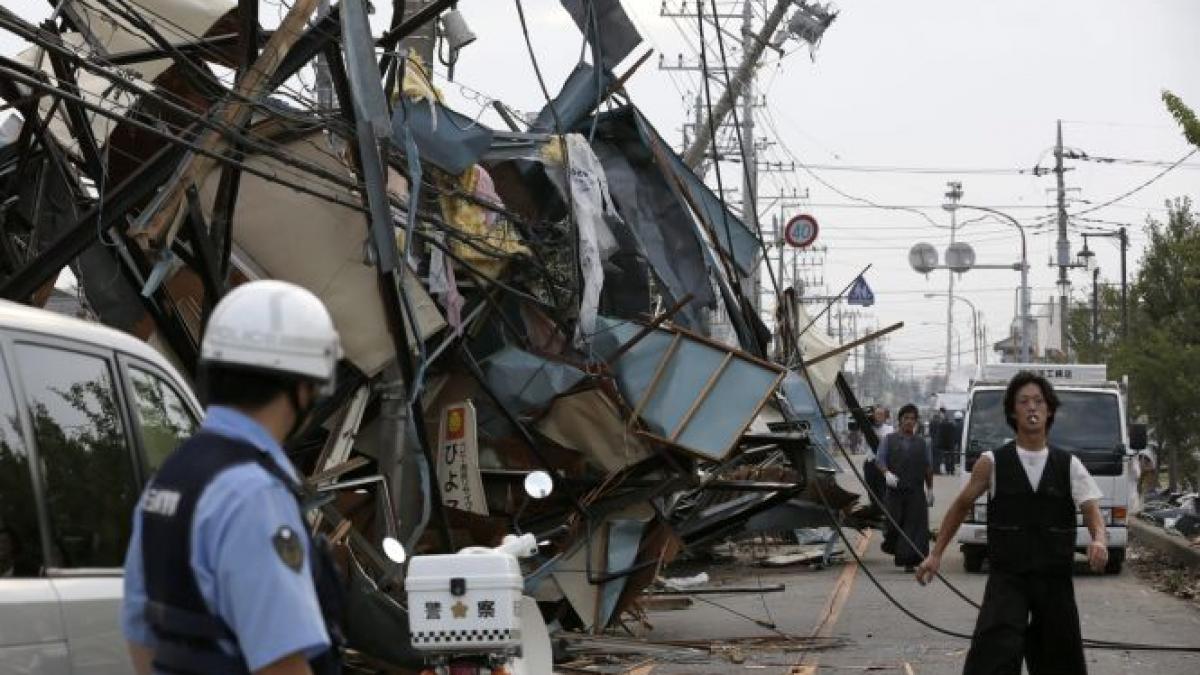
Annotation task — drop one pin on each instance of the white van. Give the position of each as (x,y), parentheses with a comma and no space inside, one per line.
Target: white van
(87,414)
(1090,424)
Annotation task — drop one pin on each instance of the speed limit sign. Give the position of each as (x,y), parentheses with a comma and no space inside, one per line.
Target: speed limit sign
(801,231)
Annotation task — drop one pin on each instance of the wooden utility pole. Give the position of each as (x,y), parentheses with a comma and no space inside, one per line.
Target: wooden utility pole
(1063,245)
(694,156)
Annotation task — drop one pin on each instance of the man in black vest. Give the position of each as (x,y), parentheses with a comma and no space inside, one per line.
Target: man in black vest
(1029,607)
(221,574)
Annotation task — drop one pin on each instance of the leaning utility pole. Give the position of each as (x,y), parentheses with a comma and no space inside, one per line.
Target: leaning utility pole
(756,44)
(1064,246)
(749,155)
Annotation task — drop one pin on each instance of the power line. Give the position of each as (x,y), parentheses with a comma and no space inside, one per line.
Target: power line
(1137,188)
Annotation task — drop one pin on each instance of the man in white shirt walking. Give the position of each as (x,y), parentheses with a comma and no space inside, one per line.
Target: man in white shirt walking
(1028,610)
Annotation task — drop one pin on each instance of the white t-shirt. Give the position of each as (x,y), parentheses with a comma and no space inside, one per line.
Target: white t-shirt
(1083,486)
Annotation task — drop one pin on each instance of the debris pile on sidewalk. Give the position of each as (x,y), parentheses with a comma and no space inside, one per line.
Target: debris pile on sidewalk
(1164,574)
(1177,514)
(549,297)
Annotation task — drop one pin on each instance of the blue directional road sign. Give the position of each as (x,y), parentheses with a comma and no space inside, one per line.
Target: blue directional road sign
(860,293)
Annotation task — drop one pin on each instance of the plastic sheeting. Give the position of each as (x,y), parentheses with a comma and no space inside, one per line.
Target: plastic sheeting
(813,344)
(661,229)
(523,381)
(579,97)
(617,34)
(448,140)
(492,241)
(730,233)
(592,204)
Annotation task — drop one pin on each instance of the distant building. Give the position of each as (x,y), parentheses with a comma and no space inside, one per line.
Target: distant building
(1047,336)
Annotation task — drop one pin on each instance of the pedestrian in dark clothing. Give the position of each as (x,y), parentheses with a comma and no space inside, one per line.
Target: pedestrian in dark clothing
(1029,610)
(908,472)
(945,444)
(935,444)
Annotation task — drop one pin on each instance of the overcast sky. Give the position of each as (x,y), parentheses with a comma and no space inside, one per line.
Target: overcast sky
(964,85)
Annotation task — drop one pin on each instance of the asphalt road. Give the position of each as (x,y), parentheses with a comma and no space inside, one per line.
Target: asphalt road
(842,602)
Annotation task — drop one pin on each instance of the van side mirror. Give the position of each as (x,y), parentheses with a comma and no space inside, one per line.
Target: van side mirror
(1137,437)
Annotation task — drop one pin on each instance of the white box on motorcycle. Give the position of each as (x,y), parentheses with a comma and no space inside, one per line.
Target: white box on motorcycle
(464,602)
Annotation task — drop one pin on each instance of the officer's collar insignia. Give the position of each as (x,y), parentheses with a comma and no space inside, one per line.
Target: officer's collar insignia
(289,547)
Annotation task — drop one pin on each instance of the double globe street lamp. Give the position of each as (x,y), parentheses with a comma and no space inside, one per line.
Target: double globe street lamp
(960,258)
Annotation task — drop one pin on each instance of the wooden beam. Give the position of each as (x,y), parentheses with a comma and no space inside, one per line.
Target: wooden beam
(857,343)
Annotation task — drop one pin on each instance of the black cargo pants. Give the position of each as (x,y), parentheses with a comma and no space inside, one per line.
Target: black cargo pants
(1031,617)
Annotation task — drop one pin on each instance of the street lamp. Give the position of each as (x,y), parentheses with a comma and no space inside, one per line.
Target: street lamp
(976,343)
(1087,255)
(1026,344)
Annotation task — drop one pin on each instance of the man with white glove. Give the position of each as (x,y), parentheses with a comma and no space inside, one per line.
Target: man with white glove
(908,471)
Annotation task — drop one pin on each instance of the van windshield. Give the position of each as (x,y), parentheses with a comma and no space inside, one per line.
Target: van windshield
(1087,424)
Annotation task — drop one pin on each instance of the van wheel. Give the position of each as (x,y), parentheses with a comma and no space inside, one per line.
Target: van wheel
(1116,557)
(973,557)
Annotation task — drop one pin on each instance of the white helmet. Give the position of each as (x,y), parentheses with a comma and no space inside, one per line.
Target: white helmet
(273,326)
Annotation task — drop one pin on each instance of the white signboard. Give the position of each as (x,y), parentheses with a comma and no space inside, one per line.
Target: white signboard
(458,460)
(1055,372)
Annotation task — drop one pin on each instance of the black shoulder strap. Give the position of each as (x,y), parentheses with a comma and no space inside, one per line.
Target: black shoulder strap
(1061,460)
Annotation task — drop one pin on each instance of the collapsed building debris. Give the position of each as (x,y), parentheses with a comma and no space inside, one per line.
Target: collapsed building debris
(499,293)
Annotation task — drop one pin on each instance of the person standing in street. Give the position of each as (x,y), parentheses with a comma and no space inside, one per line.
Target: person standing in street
(935,441)
(1029,610)
(953,444)
(871,473)
(908,473)
(221,575)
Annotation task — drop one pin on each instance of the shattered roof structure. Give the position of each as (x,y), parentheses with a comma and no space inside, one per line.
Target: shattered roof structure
(509,299)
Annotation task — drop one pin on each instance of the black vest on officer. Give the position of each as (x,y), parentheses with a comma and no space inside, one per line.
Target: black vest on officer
(188,634)
(1028,529)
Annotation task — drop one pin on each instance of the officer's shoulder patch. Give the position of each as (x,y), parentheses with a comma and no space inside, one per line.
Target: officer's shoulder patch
(290,547)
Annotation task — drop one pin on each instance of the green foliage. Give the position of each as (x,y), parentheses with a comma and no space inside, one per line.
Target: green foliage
(1162,354)
(1184,115)
(1100,347)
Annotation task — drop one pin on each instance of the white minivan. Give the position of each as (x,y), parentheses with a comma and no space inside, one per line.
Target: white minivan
(1090,424)
(87,414)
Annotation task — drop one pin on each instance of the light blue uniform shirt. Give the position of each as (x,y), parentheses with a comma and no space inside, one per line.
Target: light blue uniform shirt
(271,608)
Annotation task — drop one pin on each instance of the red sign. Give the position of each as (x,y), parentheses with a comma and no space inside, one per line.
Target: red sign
(801,231)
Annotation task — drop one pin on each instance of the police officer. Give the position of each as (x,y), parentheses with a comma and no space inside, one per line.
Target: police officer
(1028,607)
(221,575)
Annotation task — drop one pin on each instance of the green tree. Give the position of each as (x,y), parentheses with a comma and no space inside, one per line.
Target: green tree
(1096,344)
(1184,115)
(1162,354)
